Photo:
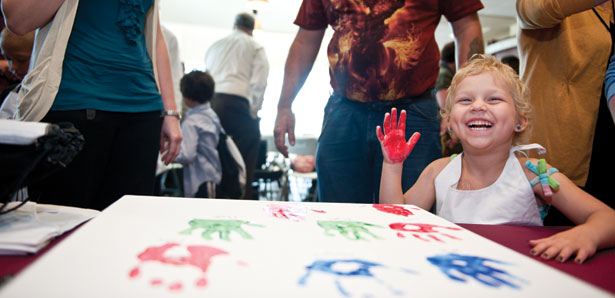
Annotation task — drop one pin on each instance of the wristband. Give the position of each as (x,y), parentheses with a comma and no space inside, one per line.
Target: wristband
(173,113)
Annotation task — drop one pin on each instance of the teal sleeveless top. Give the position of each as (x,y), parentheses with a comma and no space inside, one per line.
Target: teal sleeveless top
(106,65)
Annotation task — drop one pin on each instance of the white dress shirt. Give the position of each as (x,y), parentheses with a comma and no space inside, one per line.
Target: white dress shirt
(239,66)
(177,70)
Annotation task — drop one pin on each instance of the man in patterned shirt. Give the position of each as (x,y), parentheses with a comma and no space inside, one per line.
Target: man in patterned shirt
(383,54)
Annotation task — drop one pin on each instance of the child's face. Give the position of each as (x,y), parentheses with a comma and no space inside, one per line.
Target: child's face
(483,115)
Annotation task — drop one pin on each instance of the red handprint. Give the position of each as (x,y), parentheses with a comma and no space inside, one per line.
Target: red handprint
(393,141)
(393,209)
(427,230)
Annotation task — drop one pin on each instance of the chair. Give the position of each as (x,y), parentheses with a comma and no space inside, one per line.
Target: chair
(304,185)
(169,181)
(270,181)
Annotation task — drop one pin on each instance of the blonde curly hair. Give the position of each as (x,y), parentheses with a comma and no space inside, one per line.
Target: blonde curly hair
(480,63)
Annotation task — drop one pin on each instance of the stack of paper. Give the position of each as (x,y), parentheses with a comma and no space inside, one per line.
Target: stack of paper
(32,226)
(15,132)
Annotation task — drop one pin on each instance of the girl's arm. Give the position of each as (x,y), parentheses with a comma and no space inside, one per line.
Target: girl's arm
(422,194)
(395,149)
(595,224)
(23,16)
(390,183)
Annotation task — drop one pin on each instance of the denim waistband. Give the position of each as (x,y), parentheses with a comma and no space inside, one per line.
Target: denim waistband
(387,104)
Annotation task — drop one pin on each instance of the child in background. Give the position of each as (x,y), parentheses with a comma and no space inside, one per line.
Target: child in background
(17,51)
(488,110)
(201,130)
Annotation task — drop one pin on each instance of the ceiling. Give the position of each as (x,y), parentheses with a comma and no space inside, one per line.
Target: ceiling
(278,15)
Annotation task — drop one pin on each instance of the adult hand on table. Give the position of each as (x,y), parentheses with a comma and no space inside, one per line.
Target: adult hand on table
(284,124)
(393,143)
(170,139)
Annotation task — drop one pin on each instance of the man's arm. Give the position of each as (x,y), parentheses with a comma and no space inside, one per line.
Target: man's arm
(468,38)
(299,63)
(23,16)
(540,14)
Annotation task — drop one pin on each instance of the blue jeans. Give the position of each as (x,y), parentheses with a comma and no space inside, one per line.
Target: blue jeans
(348,156)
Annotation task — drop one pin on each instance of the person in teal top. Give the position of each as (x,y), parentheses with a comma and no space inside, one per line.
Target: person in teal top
(95,60)
(109,91)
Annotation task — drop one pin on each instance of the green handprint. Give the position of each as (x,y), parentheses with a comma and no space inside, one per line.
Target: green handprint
(224,227)
(350,229)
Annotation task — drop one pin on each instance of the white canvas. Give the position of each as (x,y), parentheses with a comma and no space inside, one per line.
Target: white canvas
(282,249)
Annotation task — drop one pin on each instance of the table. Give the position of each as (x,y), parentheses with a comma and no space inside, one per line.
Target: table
(12,265)
(597,271)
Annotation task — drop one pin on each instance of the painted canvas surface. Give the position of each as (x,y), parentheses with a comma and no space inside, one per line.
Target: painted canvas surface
(174,247)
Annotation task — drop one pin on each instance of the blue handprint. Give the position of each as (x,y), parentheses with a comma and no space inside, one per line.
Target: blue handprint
(473,267)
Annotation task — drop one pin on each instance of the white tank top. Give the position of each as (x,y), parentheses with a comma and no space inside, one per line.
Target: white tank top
(509,200)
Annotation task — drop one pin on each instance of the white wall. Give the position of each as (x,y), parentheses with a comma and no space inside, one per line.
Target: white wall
(310,102)
(194,39)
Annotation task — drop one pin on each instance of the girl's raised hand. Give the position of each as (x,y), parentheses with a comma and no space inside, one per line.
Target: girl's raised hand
(395,149)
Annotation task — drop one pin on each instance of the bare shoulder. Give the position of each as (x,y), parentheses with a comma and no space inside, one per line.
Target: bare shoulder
(436,166)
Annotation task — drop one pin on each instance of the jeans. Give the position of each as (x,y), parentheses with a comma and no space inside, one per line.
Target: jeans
(348,155)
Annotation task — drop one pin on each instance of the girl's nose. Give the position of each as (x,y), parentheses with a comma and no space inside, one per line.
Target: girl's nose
(479,105)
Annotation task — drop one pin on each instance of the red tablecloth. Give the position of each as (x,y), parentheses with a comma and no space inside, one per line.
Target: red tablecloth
(598,270)
(11,265)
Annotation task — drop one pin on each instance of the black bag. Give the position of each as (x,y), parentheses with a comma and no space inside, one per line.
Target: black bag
(24,165)
(233,171)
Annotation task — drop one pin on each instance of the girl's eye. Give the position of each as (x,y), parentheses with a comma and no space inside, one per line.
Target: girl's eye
(464,100)
(495,99)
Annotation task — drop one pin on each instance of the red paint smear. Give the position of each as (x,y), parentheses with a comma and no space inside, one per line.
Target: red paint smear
(393,209)
(319,211)
(202,282)
(156,282)
(434,238)
(134,272)
(242,263)
(422,228)
(176,286)
(400,235)
(419,237)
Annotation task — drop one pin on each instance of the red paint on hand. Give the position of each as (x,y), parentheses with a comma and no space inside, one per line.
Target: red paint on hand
(396,149)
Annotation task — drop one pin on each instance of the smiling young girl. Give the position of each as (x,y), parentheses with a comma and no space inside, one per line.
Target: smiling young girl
(488,110)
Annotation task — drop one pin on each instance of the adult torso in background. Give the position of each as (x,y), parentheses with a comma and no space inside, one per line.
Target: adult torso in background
(382,50)
(106,65)
(563,67)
